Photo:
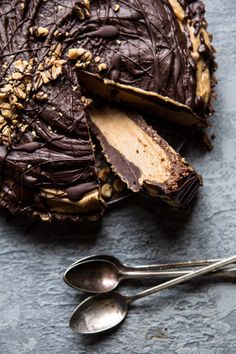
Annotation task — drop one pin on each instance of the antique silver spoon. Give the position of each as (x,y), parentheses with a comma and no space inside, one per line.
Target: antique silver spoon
(158,266)
(102,312)
(100,275)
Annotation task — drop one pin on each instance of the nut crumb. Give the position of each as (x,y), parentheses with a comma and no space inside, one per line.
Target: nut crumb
(38,31)
(40,96)
(118,185)
(86,101)
(106,190)
(73,53)
(116,8)
(103,173)
(102,67)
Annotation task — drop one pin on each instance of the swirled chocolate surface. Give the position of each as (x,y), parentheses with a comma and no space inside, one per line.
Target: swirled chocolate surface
(46,156)
(152,46)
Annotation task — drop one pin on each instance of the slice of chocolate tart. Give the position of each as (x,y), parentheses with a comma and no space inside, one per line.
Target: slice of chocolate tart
(141,158)
(155,55)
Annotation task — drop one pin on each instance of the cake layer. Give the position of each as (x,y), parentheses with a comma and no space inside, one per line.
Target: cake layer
(141,158)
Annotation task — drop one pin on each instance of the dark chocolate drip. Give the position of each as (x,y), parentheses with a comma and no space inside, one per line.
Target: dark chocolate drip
(105,32)
(75,193)
(28,147)
(115,66)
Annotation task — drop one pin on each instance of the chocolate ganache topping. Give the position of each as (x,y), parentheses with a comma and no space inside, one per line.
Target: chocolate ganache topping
(47,158)
(155,55)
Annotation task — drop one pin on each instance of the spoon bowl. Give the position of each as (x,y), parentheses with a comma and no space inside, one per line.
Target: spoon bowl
(93,277)
(99,257)
(99,313)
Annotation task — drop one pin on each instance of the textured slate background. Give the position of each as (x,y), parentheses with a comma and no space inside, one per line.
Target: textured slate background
(200,317)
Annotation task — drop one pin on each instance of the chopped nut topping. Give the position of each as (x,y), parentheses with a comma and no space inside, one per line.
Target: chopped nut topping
(6,88)
(38,31)
(22,5)
(40,96)
(6,106)
(58,34)
(97,59)
(59,62)
(7,113)
(116,8)
(81,51)
(85,58)
(80,13)
(87,4)
(16,76)
(44,217)
(23,66)
(102,67)
(118,185)
(50,69)
(56,71)
(3,95)
(73,53)
(106,190)
(19,105)
(41,67)
(2,120)
(195,55)
(6,136)
(103,173)
(18,88)
(12,99)
(19,92)
(57,50)
(82,9)
(46,76)
(86,101)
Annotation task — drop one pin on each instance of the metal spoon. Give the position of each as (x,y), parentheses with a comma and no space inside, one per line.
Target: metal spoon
(103,275)
(158,266)
(102,312)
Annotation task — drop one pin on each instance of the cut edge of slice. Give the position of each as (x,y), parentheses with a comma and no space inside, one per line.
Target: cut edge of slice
(141,158)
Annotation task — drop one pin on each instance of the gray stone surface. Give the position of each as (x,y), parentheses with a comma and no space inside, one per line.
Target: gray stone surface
(200,317)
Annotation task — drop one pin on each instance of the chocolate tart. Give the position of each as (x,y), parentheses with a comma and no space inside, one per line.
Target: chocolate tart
(50,52)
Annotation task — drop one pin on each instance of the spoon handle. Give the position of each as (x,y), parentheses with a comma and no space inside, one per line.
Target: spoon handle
(225,273)
(182,279)
(185,264)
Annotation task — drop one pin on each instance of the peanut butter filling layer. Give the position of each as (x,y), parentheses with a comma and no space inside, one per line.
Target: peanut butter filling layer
(139,156)
(133,144)
(145,101)
(59,203)
(203,88)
